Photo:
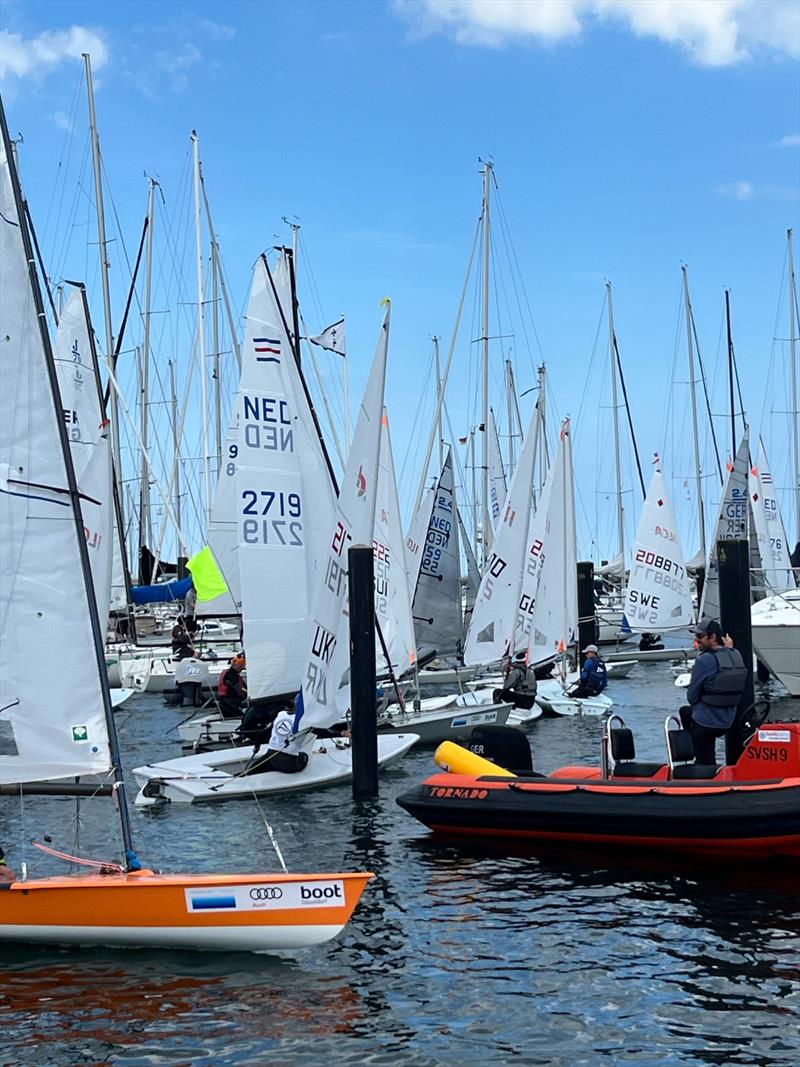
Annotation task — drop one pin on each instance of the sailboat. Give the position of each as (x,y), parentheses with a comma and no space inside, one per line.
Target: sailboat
(56,740)
(320,653)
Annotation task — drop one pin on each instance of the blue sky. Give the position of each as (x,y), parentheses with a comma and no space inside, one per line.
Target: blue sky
(627,139)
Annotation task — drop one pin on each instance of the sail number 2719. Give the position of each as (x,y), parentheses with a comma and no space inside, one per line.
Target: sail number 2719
(272,518)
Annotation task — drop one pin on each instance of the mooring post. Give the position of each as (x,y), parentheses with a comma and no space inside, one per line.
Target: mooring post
(587,621)
(363,707)
(734,618)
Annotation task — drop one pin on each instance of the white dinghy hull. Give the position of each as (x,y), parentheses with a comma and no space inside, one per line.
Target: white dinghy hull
(216,776)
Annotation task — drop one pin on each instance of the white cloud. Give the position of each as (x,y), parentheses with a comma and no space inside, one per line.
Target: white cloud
(715,33)
(22,57)
(791,140)
(738,190)
(743,190)
(62,121)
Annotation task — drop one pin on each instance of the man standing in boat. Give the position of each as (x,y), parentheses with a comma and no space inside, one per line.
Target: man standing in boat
(715,689)
(520,684)
(594,676)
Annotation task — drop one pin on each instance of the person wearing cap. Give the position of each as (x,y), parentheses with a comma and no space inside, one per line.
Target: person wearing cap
(232,690)
(519,687)
(594,676)
(715,689)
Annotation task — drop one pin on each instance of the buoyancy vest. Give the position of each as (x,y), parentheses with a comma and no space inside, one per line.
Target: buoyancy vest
(596,676)
(727,685)
(229,687)
(522,680)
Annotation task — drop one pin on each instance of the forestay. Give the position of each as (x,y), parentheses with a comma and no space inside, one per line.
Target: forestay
(326,691)
(50,690)
(494,617)
(547,620)
(392,598)
(437,599)
(658,596)
(731,524)
(87,430)
(284,496)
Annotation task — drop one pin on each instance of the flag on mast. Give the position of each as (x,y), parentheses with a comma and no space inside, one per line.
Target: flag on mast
(332,338)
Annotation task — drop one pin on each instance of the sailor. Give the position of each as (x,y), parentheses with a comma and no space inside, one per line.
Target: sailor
(649,642)
(7,876)
(191,675)
(715,689)
(180,637)
(189,609)
(594,676)
(520,685)
(283,751)
(232,690)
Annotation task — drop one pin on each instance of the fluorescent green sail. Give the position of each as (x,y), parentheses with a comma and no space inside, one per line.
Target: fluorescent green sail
(206,575)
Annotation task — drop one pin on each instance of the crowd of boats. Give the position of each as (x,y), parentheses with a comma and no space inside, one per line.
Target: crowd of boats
(453,614)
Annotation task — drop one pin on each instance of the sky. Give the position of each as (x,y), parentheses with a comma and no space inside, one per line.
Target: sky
(627,139)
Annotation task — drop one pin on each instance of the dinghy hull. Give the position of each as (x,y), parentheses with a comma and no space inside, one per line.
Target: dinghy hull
(249,912)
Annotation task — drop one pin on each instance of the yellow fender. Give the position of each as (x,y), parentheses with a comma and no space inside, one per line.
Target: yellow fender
(457,760)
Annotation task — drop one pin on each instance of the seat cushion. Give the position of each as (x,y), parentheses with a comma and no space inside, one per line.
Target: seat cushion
(695,770)
(635,769)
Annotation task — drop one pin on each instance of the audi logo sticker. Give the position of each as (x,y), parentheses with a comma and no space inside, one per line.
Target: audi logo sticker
(266,892)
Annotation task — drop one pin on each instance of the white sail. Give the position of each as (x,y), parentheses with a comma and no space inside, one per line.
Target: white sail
(658,596)
(223,533)
(497,476)
(415,540)
(87,430)
(731,524)
(392,597)
(437,599)
(771,533)
(50,690)
(494,617)
(548,613)
(326,692)
(284,502)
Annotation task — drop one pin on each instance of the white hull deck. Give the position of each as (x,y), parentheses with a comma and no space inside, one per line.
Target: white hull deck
(444,718)
(216,776)
(554,700)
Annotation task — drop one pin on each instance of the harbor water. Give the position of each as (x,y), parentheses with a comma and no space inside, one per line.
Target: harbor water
(455,955)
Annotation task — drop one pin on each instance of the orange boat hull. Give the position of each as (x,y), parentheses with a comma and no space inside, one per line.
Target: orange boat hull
(253,912)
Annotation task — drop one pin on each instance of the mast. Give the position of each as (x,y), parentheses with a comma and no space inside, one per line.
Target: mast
(217,368)
(692,381)
(75,504)
(613,346)
(201,329)
(474,488)
(487,525)
(438,406)
(793,359)
(104,265)
(221,275)
(510,404)
(145,534)
(176,461)
(730,371)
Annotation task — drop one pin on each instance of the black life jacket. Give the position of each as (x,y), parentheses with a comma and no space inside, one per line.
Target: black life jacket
(726,687)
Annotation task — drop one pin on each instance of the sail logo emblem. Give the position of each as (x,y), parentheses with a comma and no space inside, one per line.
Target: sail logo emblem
(361,482)
(267,349)
(80,734)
